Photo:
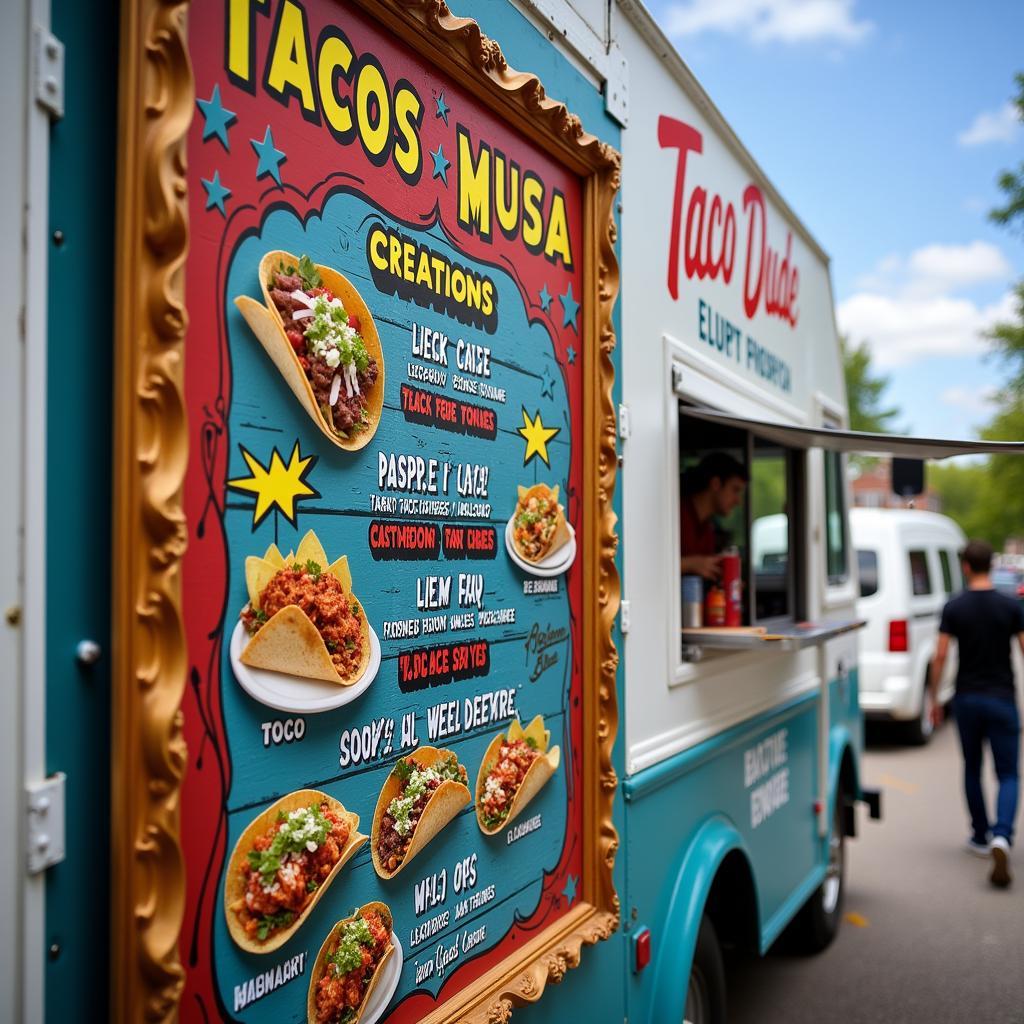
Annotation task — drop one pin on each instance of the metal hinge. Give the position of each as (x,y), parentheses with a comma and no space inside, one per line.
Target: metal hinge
(624,427)
(49,72)
(624,616)
(44,805)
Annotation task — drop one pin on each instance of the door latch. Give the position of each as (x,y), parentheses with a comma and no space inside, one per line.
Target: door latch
(44,804)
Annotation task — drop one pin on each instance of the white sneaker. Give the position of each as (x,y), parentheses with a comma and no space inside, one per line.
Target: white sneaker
(978,849)
(1000,876)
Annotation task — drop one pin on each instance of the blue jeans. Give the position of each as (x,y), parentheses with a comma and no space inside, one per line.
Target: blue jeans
(980,717)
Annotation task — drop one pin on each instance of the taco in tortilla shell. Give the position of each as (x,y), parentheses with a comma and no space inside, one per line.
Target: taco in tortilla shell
(321,337)
(302,616)
(538,524)
(349,965)
(424,792)
(514,769)
(283,863)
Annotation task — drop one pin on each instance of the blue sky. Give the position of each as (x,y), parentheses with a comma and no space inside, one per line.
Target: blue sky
(884,125)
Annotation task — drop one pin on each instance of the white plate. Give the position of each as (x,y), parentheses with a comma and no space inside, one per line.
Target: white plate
(300,696)
(554,565)
(378,1004)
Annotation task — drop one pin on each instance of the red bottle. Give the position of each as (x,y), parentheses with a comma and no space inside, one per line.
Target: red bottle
(714,607)
(732,586)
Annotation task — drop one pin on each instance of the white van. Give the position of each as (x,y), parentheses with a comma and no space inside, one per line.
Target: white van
(909,566)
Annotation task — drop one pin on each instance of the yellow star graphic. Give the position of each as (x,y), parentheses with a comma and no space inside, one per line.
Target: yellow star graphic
(536,436)
(277,486)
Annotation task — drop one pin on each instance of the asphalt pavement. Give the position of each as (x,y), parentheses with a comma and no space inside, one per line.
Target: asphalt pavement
(925,936)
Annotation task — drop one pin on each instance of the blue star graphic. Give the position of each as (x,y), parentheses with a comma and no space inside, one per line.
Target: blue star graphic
(571,353)
(545,298)
(442,108)
(269,158)
(441,165)
(216,117)
(569,892)
(571,307)
(548,387)
(216,193)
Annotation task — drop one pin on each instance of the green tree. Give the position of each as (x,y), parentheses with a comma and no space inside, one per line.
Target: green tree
(865,391)
(1007,338)
(988,499)
(1011,183)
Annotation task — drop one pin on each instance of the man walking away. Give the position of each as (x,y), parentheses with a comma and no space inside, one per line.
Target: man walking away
(984,623)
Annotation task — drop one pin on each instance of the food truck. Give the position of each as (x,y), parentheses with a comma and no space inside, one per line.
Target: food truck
(365,352)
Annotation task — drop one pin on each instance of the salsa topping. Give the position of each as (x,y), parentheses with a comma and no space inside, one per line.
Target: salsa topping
(287,865)
(418,783)
(327,342)
(354,957)
(534,526)
(504,779)
(319,594)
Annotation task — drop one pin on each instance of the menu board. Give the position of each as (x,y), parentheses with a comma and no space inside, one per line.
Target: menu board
(382,592)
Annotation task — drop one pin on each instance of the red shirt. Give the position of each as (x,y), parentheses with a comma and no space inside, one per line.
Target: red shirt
(695,537)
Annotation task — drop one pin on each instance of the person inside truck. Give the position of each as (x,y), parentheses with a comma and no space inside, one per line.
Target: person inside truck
(710,490)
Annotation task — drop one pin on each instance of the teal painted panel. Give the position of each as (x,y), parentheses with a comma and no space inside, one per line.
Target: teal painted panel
(79,362)
(759,781)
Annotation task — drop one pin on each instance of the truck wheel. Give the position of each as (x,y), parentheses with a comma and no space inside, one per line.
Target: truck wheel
(817,923)
(919,730)
(705,992)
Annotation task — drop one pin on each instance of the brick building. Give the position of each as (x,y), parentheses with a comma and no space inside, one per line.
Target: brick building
(872,488)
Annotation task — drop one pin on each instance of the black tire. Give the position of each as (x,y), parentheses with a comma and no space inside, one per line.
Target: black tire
(919,731)
(705,990)
(817,923)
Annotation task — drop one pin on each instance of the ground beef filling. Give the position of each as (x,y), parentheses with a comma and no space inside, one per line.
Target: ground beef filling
(393,846)
(321,596)
(338,995)
(346,414)
(295,882)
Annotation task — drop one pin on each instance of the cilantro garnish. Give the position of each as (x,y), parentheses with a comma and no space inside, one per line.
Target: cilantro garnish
(271,922)
(299,827)
(309,274)
(314,570)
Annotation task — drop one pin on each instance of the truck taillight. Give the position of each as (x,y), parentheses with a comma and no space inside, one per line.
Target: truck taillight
(899,639)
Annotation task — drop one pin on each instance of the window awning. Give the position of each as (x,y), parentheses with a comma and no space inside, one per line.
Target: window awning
(856,441)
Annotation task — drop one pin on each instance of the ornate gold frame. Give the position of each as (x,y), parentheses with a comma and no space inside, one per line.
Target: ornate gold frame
(151,441)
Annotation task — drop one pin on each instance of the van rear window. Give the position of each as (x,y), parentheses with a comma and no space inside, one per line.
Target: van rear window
(867,563)
(920,576)
(947,572)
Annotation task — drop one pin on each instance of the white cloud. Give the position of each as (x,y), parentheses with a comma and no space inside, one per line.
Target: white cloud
(937,269)
(763,21)
(979,403)
(1001,125)
(908,309)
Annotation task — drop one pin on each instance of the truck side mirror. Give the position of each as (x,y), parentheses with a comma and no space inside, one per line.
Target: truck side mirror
(908,477)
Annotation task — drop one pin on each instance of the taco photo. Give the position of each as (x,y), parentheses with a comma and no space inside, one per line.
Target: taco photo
(538,525)
(349,965)
(424,792)
(513,771)
(283,863)
(302,617)
(322,338)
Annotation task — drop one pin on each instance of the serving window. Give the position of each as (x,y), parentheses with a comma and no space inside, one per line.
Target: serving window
(763,527)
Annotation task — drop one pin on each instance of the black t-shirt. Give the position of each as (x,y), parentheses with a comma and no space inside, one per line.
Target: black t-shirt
(984,623)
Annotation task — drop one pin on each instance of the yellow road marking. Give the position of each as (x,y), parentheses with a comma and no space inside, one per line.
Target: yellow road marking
(910,788)
(857,920)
